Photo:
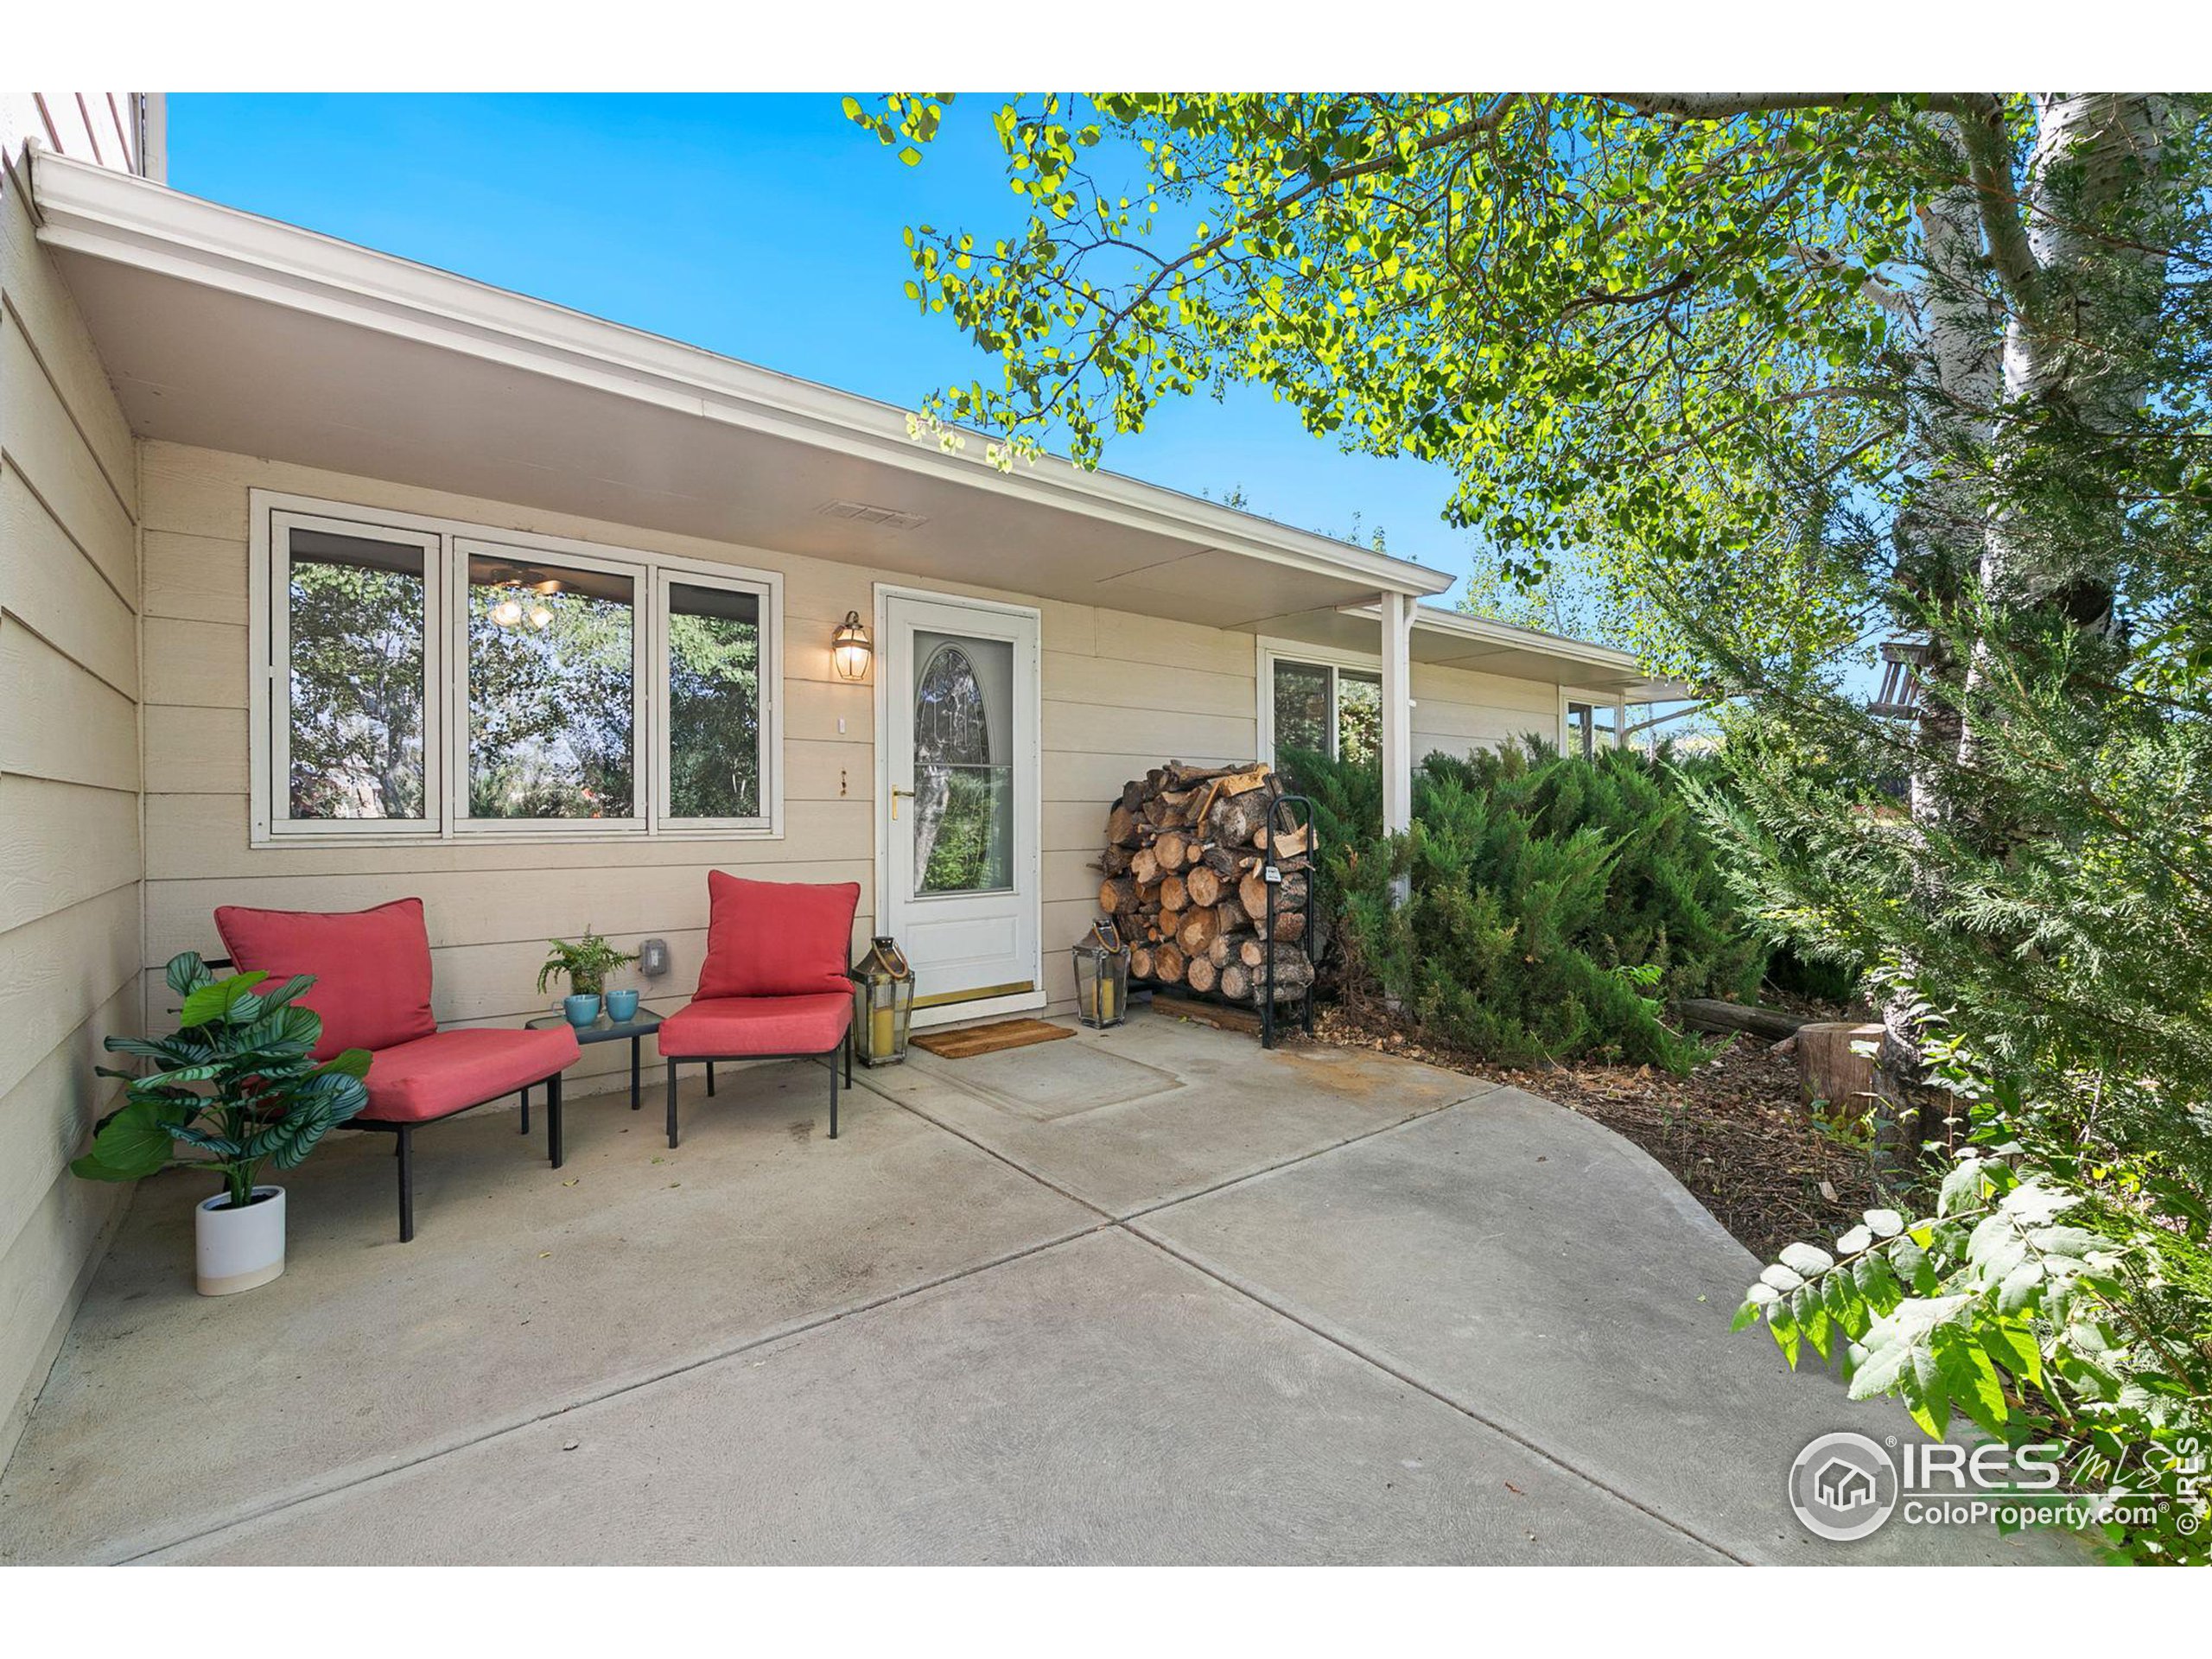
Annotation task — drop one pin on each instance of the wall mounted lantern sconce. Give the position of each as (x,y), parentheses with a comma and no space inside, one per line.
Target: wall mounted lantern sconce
(850,649)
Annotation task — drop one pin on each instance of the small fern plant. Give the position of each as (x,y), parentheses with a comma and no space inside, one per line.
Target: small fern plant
(584,962)
(237,1083)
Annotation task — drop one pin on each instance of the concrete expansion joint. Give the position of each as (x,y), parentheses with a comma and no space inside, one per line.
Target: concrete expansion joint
(1129,1223)
(1042,1179)
(1536,1448)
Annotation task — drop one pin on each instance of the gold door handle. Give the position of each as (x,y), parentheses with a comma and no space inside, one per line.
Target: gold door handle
(895,793)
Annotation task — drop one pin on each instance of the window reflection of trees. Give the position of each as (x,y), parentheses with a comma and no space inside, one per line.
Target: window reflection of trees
(1359,718)
(1301,694)
(962,803)
(551,709)
(1335,712)
(357,626)
(544,663)
(714,703)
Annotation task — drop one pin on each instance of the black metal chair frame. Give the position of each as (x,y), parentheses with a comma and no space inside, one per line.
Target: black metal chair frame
(405,1133)
(844,1047)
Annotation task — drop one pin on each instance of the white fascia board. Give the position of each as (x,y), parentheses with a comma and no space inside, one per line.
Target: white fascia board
(1431,618)
(108,215)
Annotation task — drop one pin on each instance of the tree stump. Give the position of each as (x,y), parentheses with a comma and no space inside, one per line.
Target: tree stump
(1828,1072)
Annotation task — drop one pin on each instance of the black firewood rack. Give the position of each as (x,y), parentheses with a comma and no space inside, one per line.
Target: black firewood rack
(1286,813)
(1299,817)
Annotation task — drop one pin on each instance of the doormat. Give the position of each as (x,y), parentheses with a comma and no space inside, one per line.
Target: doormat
(966,1045)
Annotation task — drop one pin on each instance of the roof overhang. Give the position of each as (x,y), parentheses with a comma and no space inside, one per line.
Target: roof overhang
(1459,639)
(231,332)
(241,333)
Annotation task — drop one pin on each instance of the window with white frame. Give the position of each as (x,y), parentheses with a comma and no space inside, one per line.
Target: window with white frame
(1331,706)
(1589,728)
(425,679)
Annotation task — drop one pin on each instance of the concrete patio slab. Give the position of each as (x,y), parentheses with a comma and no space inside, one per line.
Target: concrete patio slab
(524,1290)
(1307,1306)
(1181,1108)
(1534,1267)
(1097,1402)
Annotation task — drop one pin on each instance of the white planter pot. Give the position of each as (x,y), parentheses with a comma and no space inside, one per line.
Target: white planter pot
(237,1250)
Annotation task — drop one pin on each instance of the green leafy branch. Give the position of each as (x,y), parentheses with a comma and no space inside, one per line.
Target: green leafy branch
(2010,1306)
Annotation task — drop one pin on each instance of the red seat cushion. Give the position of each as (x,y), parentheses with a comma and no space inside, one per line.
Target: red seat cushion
(777,939)
(372,968)
(445,1073)
(728,1027)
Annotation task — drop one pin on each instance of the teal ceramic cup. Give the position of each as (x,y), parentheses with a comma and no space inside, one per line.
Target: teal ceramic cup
(621,1006)
(580,1010)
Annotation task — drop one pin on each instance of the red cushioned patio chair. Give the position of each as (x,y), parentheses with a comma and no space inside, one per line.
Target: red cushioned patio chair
(773,985)
(372,970)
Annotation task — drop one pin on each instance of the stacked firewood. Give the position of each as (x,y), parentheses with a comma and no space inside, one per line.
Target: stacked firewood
(1186,870)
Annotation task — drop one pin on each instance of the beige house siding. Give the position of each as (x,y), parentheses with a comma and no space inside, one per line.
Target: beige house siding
(70,846)
(1458,710)
(1120,693)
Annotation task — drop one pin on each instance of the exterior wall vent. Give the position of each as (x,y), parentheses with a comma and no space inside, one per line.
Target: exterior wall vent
(862,513)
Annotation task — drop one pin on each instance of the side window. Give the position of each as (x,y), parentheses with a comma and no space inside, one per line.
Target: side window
(1359,716)
(1581,729)
(1304,717)
(1334,711)
(1590,727)
(713,669)
(354,701)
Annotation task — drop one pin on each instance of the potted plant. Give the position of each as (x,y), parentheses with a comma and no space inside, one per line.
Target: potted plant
(238,1083)
(586,964)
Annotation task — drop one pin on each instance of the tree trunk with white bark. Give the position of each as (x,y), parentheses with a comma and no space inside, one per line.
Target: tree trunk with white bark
(1993,332)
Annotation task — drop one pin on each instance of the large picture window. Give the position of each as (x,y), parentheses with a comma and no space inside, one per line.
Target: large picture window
(552,691)
(427,680)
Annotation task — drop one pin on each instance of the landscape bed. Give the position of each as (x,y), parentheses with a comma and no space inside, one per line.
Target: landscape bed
(1734,1131)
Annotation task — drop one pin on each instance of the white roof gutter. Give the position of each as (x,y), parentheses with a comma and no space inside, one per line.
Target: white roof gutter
(109,215)
(1488,630)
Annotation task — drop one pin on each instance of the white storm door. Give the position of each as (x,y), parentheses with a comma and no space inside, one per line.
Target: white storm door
(960,754)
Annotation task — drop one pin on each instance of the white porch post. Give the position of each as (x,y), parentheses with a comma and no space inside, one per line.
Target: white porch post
(1397,713)
(1620,723)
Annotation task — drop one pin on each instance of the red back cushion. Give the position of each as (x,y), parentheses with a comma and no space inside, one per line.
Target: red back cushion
(777,939)
(372,968)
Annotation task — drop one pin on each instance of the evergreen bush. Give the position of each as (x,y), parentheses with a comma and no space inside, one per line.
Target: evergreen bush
(1552,903)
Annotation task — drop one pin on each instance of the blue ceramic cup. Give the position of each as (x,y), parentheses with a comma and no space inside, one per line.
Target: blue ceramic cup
(621,1006)
(580,1010)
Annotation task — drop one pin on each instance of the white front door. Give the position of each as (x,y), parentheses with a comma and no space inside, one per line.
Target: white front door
(960,822)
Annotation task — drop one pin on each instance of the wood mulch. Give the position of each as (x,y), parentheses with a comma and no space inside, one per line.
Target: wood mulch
(1733,1132)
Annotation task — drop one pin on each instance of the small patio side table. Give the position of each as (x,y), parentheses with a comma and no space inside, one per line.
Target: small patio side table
(635,1029)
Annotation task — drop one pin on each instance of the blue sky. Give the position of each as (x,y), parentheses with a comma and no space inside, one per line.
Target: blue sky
(765,227)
